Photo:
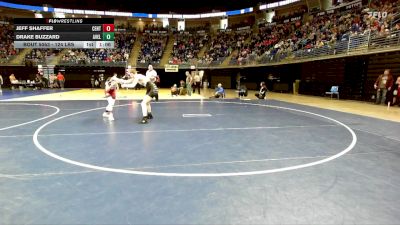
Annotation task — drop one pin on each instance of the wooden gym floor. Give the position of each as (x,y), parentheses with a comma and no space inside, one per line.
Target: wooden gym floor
(349,106)
(289,159)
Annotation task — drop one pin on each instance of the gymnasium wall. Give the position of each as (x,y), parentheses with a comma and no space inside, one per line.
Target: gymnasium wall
(355,76)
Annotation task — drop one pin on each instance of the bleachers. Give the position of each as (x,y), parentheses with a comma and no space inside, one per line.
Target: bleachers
(7,51)
(152,48)
(294,36)
(187,47)
(124,42)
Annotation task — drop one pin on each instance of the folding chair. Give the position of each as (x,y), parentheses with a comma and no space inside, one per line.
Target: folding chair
(334,91)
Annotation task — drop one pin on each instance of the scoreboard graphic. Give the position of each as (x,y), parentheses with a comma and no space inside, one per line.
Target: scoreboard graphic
(90,33)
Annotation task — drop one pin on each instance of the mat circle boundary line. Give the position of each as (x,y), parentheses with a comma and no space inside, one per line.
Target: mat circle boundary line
(32,121)
(229,174)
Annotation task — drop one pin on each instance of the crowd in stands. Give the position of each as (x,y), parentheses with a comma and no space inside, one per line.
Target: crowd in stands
(280,40)
(122,48)
(152,47)
(223,44)
(154,27)
(6,39)
(273,41)
(187,46)
(340,2)
(38,55)
(381,24)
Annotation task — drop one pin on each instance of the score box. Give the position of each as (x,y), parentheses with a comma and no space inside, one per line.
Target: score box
(108,36)
(104,44)
(89,44)
(108,27)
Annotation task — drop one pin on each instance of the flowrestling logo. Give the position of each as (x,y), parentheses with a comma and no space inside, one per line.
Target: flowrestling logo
(64,21)
(378,15)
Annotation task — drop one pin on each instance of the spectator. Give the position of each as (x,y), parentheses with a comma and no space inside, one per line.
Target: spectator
(13,81)
(92,81)
(182,88)
(382,85)
(1,83)
(100,81)
(219,91)
(7,49)
(242,91)
(12,78)
(263,91)
(174,90)
(189,81)
(396,92)
(61,80)
(53,81)
(38,82)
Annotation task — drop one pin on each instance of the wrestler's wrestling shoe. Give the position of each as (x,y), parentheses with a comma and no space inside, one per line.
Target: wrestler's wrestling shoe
(144,120)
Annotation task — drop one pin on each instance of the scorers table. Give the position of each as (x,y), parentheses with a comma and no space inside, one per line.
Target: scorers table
(90,33)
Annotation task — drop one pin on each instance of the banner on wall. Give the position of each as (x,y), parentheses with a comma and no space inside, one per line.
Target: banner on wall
(225,30)
(155,31)
(343,7)
(292,19)
(171,68)
(354,5)
(243,28)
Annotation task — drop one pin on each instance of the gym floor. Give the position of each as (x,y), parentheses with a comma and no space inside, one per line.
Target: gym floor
(285,160)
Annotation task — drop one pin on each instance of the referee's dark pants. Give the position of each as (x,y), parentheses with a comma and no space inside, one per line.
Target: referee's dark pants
(196,85)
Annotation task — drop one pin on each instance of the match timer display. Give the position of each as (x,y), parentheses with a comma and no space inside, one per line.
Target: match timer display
(64,33)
